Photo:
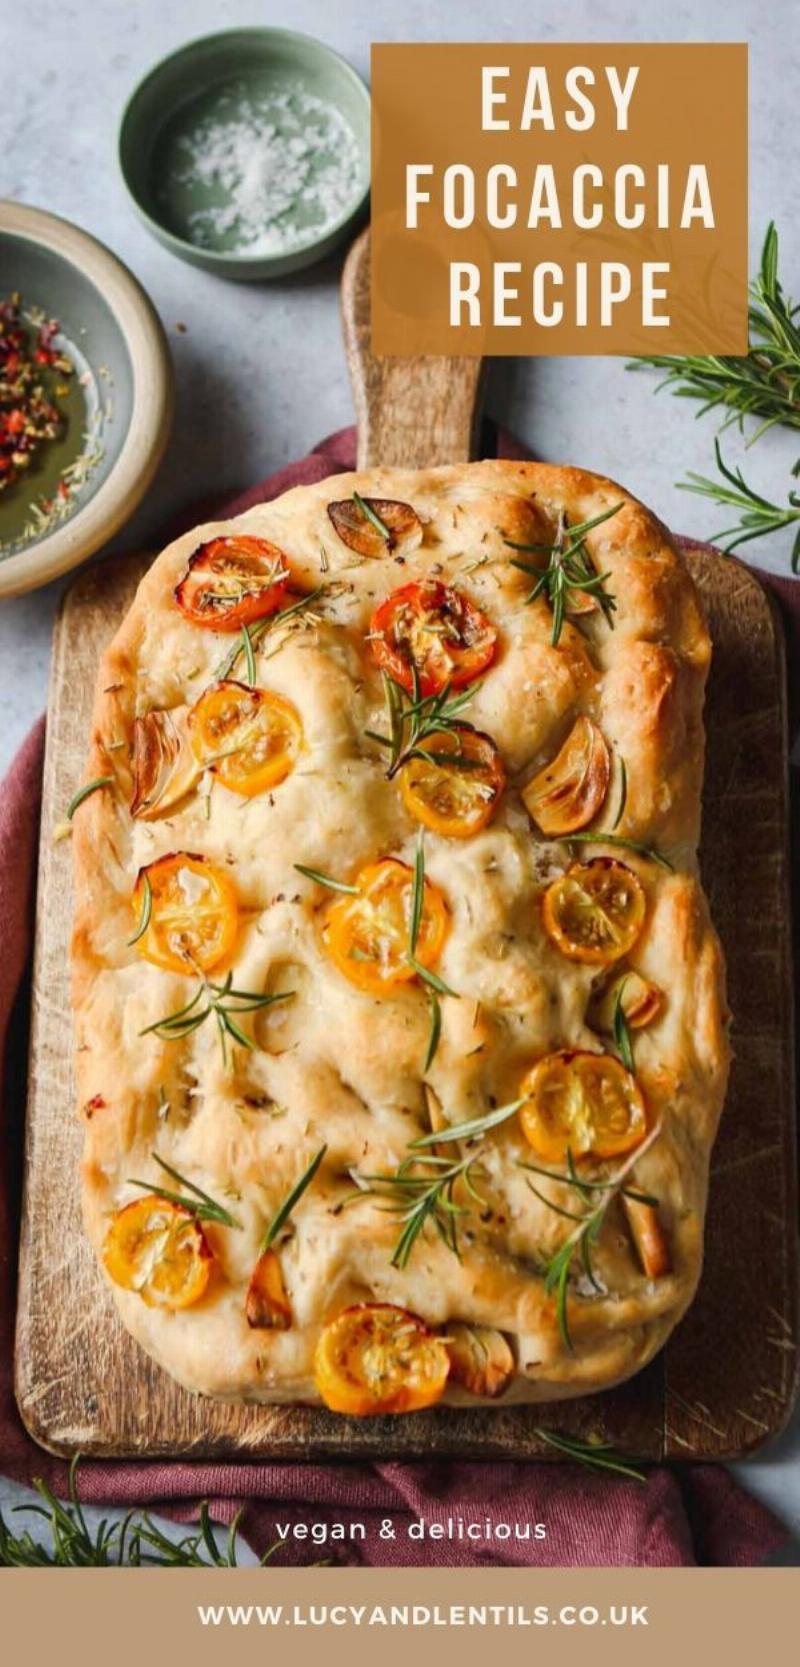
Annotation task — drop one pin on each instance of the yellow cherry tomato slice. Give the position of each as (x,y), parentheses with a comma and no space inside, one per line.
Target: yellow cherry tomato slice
(376,1358)
(194,913)
(595,911)
(367,935)
(455,788)
(569,791)
(248,737)
(586,1103)
(158,1249)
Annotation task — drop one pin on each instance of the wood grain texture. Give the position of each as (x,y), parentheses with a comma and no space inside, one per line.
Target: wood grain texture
(726,1379)
(412,413)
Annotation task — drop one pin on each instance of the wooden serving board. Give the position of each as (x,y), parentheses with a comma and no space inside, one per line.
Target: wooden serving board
(725,1381)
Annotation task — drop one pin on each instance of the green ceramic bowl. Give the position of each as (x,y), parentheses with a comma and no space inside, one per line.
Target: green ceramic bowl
(120,395)
(202,200)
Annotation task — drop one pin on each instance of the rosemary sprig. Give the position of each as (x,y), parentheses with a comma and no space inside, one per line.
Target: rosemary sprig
(135,1540)
(374,519)
(583,1238)
(597,1455)
(569,569)
(762,384)
(422,1190)
(226,1004)
(417,897)
(623,792)
(327,880)
(284,1211)
(199,1203)
(600,838)
(415,719)
(84,793)
(435,1032)
(757,516)
(251,635)
(146,911)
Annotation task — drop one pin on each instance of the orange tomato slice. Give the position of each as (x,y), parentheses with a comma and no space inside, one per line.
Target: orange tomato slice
(454,789)
(194,913)
(231,581)
(158,1249)
(432,630)
(586,1103)
(376,1358)
(568,792)
(248,737)
(595,911)
(367,935)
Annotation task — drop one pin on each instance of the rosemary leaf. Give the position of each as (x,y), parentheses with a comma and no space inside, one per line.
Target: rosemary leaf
(623,793)
(147,911)
(321,879)
(432,979)
(626,844)
(596,1455)
(282,1215)
(469,1131)
(622,1035)
(435,1033)
(85,792)
(205,1209)
(249,656)
(374,519)
(417,897)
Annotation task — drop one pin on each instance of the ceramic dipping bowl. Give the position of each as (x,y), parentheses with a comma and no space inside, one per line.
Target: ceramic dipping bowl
(117,405)
(247,153)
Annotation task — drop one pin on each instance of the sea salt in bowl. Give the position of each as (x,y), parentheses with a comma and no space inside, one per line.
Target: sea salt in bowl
(247,152)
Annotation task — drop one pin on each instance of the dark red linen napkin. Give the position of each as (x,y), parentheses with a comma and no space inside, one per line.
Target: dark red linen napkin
(697,1515)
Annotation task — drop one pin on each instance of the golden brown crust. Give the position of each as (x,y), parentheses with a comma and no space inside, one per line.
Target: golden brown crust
(335,1066)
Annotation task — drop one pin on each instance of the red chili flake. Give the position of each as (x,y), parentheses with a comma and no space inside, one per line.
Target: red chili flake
(97,1103)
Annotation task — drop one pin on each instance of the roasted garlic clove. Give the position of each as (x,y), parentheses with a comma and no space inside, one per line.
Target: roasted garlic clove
(371,526)
(480,1359)
(640,1001)
(165,768)
(648,1236)
(568,793)
(267,1305)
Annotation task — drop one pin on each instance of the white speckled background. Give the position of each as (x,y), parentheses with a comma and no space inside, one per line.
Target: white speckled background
(260,370)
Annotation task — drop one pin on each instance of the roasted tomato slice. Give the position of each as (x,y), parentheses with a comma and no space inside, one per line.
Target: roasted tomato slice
(267,1306)
(640,1001)
(585,1103)
(367,935)
(480,1359)
(568,793)
(377,1358)
(248,737)
(595,911)
(231,581)
(194,913)
(371,526)
(434,630)
(454,786)
(160,1250)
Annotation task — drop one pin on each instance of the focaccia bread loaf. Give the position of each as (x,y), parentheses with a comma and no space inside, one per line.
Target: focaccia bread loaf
(500,924)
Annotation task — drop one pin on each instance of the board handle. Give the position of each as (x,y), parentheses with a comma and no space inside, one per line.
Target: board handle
(411,413)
